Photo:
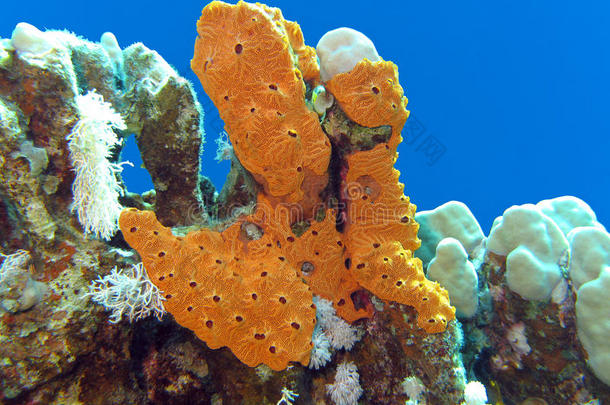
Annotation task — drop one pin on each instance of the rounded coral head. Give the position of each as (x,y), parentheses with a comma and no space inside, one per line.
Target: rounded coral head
(341,49)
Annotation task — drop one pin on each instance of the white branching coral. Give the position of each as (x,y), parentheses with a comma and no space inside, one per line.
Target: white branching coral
(346,389)
(288,397)
(95,189)
(330,332)
(128,292)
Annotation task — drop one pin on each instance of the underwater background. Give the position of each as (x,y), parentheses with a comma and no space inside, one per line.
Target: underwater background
(514,95)
(310,278)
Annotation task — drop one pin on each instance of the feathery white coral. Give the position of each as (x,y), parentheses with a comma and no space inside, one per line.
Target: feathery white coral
(128,292)
(346,389)
(340,333)
(95,189)
(18,291)
(12,264)
(414,388)
(320,353)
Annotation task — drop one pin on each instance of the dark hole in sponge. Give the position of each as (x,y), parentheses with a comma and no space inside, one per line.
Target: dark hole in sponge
(307,268)
(360,299)
(238,48)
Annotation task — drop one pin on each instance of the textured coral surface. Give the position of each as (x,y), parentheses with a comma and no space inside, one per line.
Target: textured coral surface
(244,59)
(230,291)
(253,64)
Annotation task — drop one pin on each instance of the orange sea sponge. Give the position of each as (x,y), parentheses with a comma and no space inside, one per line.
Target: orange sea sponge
(371,96)
(381,235)
(256,304)
(237,288)
(392,273)
(244,59)
(376,203)
(317,254)
(250,287)
(308,61)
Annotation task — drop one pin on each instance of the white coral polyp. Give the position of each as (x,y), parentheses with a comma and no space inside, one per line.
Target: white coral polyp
(95,188)
(346,389)
(27,39)
(128,292)
(340,334)
(320,353)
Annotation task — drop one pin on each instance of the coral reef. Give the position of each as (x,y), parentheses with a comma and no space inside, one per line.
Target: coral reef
(301,281)
(162,110)
(526,329)
(50,333)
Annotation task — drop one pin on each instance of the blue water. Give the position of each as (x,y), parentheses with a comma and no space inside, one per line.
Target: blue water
(515,94)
